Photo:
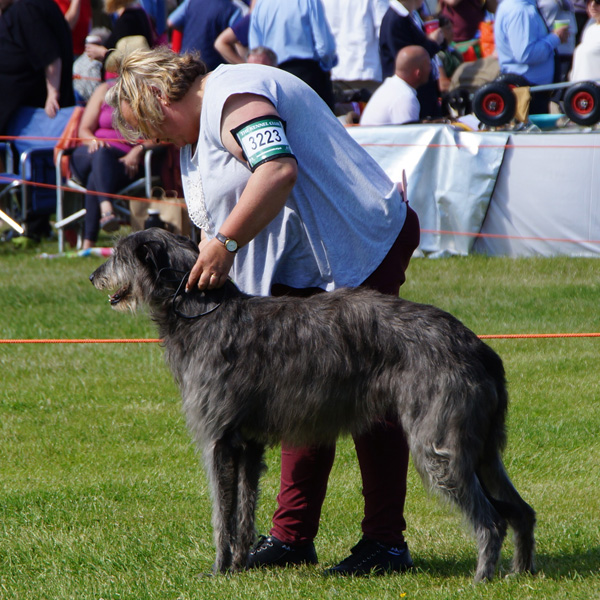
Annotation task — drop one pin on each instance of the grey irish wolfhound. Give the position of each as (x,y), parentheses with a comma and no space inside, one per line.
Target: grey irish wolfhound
(254,371)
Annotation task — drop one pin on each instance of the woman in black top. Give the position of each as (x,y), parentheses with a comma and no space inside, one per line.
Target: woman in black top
(132,19)
(36,58)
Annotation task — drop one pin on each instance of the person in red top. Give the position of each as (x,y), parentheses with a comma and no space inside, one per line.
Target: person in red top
(78,14)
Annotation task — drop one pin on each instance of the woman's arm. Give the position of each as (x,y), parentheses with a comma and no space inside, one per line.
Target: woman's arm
(261,201)
(90,118)
(53,72)
(229,47)
(72,14)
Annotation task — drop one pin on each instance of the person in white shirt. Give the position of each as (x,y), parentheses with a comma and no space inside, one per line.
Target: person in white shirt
(355,27)
(395,101)
(586,59)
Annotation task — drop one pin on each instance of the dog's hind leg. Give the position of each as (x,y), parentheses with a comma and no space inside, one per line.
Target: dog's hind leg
(490,529)
(223,469)
(520,516)
(449,474)
(251,467)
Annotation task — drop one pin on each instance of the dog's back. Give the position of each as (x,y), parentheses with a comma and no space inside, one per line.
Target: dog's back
(334,363)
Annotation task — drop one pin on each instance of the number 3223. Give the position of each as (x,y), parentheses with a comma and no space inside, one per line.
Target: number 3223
(264,138)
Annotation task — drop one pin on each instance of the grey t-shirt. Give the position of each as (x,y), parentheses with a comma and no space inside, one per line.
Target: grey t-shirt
(343,214)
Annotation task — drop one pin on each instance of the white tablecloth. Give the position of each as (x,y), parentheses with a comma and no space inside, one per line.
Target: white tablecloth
(527,193)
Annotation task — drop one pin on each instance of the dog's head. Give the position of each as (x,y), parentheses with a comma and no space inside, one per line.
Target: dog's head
(146,267)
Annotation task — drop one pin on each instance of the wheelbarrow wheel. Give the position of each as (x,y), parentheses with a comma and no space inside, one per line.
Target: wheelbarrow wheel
(512,80)
(582,103)
(494,104)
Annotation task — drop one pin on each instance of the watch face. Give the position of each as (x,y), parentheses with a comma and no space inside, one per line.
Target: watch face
(231,245)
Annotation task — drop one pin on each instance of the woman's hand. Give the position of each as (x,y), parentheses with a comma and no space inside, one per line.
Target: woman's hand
(94,144)
(95,51)
(212,267)
(52,105)
(437,36)
(131,161)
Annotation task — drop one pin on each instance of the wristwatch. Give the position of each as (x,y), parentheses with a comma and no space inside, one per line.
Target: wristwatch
(230,244)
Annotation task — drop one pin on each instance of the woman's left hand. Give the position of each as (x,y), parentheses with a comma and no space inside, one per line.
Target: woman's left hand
(131,161)
(212,267)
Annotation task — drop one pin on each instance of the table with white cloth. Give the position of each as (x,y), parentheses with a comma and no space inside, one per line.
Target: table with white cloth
(504,193)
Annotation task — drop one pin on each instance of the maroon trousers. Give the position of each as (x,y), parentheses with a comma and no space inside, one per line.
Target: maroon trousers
(382,452)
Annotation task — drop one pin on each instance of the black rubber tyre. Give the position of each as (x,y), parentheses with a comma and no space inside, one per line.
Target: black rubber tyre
(494,104)
(582,103)
(513,80)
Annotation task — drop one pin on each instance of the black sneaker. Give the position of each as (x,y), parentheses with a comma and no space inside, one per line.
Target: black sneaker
(371,557)
(269,551)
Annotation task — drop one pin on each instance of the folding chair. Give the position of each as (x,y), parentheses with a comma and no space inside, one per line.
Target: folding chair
(28,160)
(140,187)
(10,188)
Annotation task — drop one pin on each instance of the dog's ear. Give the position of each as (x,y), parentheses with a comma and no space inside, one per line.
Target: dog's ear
(160,250)
(151,252)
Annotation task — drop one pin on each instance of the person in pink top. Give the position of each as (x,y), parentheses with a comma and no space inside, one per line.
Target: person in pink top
(104,162)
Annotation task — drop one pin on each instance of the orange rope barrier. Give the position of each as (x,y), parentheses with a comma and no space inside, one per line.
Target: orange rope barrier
(86,78)
(469,147)
(83,341)
(51,186)
(182,204)
(375,144)
(509,237)
(499,336)
(11,138)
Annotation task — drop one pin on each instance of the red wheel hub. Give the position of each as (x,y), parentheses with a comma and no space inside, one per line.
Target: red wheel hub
(583,103)
(493,104)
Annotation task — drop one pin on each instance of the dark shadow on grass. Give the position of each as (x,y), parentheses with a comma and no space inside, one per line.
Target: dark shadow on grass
(577,564)
(581,564)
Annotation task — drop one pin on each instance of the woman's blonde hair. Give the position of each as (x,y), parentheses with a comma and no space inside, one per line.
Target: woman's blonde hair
(112,6)
(146,77)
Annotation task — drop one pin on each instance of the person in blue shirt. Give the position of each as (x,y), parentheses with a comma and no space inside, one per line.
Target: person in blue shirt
(525,46)
(298,32)
(201,22)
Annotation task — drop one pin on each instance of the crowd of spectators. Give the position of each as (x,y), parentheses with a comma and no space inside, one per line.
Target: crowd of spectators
(333,45)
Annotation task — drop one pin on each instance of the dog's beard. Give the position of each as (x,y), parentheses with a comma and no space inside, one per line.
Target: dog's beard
(120,296)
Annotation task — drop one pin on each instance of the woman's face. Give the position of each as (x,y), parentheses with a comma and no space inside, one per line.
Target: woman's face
(175,129)
(593,10)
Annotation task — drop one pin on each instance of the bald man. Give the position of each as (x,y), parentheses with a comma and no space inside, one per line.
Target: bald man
(395,100)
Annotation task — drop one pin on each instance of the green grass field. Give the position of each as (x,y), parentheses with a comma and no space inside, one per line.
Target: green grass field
(102,494)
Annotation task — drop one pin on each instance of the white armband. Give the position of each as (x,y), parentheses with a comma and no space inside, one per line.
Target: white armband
(262,139)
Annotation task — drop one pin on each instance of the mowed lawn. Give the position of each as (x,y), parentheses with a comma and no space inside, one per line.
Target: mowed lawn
(102,494)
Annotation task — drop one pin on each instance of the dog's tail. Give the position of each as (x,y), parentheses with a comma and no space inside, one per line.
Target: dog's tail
(496,437)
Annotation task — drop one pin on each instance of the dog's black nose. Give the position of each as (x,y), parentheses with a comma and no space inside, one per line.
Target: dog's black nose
(92,277)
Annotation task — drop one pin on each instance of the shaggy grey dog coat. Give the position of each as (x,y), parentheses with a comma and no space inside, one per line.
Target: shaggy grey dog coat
(254,371)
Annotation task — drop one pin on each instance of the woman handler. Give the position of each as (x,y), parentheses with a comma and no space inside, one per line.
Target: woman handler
(288,204)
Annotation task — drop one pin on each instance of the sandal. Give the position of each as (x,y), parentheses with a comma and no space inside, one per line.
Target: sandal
(109,222)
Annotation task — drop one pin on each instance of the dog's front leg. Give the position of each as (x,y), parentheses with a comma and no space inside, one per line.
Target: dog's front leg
(223,468)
